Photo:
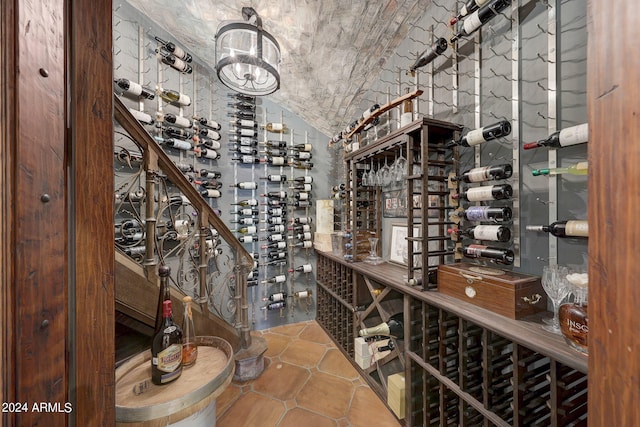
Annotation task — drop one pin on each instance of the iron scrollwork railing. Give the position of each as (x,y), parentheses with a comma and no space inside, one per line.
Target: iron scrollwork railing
(161,218)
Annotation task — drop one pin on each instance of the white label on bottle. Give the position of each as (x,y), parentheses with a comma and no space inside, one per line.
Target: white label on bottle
(305,236)
(134,88)
(486,232)
(304,155)
(276,237)
(246,239)
(477,213)
(475,136)
(211,154)
(248,211)
(247,159)
(281,245)
(475,251)
(308,179)
(304,220)
(479,174)
(181,145)
(307,244)
(247,123)
(306,268)
(212,134)
(177,51)
(577,228)
(472,23)
(277,160)
(277,127)
(463,11)
(302,294)
(303,196)
(141,117)
(252,202)
(246,132)
(279,228)
(184,100)
(479,194)
(248,185)
(214,144)
(182,122)
(247,221)
(582,166)
(252,230)
(276,220)
(213,193)
(170,358)
(276,178)
(574,135)
(277,297)
(281,278)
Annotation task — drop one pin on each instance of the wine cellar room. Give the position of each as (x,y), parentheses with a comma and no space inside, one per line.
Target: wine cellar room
(285,213)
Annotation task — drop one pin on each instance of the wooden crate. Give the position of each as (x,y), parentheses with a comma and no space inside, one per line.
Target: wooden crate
(514,295)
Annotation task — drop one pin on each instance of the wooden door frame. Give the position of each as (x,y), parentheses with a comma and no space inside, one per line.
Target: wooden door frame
(56,212)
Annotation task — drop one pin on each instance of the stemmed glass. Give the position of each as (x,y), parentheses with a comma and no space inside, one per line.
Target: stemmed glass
(400,168)
(554,282)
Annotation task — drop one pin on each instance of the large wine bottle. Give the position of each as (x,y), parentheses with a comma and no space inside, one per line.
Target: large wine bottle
(580,168)
(490,192)
(394,327)
(483,134)
(496,233)
(176,63)
(485,173)
(570,228)
(133,89)
(563,138)
(479,17)
(174,97)
(166,350)
(469,7)
(500,255)
(438,48)
(171,48)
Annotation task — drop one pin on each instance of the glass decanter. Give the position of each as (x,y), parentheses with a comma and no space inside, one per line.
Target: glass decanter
(373,257)
(574,321)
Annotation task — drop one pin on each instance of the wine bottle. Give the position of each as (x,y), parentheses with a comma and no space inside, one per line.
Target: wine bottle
(483,134)
(335,138)
(209,183)
(275,127)
(275,212)
(407,111)
(500,255)
(394,327)
(302,236)
(279,296)
(133,89)
(339,195)
(275,178)
(274,305)
(142,117)
(243,114)
(490,192)
(486,213)
(274,152)
(469,7)
(246,185)
(301,164)
(247,230)
(281,278)
(249,220)
(174,97)
(275,220)
(189,345)
(305,268)
(209,174)
(274,238)
(480,17)
(301,203)
(303,220)
(338,187)
(272,255)
(485,173)
(177,144)
(305,244)
(275,245)
(369,111)
(301,195)
(438,48)
(245,212)
(209,133)
(176,63)
(570,228)
(165,294)
(243,123)
(179,121)
(166,350)
(303,294)
(274,161)
(301,155)
(563,138)
(302,187)
(304,179)
(277,228)
(580,168)
(171,132)
(273,144)
(207,152)
(301,228)
(245,203)
(241,149)
(242,96)
(246,159)
(496,233)
(210,193)
(171,48)
(243,140)
(275,195)
(211,124)
(250,238)
(243,105)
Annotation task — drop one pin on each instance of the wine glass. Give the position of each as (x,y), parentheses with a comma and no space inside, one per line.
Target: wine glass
(400,168)
(554,282)
(385,174)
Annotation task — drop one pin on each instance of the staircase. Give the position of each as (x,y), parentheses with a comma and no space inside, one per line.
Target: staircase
(160,218)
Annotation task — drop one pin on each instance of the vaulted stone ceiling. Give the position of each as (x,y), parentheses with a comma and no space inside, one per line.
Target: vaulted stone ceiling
(332,50)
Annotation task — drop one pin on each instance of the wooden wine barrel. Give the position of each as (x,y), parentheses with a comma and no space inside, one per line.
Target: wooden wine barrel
(139,402)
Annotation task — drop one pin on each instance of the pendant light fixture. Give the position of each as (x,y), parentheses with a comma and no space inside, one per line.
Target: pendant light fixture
(247,57)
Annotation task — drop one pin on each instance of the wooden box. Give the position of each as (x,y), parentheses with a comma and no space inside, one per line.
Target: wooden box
(514,295)
(396,393)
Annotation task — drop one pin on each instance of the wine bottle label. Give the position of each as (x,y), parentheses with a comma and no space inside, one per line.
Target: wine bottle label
(275,220)
(276,237)
(277,297)
(210,154)
(247,159)
(472,23)
(246,132)
(182,122)
(280,278)
(210,133)
(177,51)
(475,251)
(307,244)
(169,359)
(302,294)
(182,227)
(306,268)
(577,228)
(181,145)
(180,65)
(247,124)
(277,127)
(479,174)
(303,196)
(277,161)
(213,193)
(479,194)
(213,144)
(275,178)
(246,239)
(134,89)
(574,135)
(307,179)
(251,230)
(486,232)
(477,213)
(475,136)
(464,11)
(305,236)
(248,185)
(304,155)
(141,117)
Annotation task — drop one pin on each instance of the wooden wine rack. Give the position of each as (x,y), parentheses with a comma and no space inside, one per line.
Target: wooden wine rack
(463,365)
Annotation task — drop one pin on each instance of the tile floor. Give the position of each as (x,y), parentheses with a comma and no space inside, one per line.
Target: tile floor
(307,382)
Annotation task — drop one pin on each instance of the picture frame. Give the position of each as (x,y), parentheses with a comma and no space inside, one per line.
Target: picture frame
(399,246)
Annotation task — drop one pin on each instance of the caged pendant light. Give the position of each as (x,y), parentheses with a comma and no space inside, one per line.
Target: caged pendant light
(247,57)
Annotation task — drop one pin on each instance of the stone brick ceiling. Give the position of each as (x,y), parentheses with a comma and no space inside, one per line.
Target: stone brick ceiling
(332,50)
